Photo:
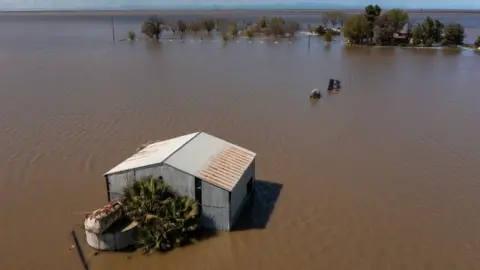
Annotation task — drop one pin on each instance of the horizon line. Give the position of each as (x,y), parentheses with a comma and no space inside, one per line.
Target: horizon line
(215,7)
(426,10)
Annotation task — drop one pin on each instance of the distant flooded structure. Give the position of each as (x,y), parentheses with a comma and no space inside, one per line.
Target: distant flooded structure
(333,85)
(216,173)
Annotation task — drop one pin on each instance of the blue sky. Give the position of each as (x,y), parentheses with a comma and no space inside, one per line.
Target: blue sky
(152,4)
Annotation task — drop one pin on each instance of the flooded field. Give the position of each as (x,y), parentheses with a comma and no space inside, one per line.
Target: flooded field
(383,175)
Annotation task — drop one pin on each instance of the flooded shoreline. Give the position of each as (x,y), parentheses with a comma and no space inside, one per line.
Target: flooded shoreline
(381,175)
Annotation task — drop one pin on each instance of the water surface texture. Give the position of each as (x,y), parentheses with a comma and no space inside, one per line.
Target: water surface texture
(383,175)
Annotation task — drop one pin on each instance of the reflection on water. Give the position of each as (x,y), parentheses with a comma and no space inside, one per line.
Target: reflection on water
(382,175)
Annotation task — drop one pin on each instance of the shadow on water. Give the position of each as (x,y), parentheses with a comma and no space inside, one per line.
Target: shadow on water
(259,208)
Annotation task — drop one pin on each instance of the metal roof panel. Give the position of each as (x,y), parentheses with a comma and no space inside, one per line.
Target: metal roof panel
(213,160)
(154,153)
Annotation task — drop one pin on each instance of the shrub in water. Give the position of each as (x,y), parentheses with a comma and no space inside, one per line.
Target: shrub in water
(131,35)
(164,220)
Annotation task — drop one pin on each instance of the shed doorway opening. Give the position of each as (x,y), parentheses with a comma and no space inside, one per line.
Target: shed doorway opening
(250,186)
(198,193)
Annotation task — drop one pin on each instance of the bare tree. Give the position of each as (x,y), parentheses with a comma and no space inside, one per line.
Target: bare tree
(173,26)
(209,25)
(153,27)
(195,26)
(233,29)
(182,27)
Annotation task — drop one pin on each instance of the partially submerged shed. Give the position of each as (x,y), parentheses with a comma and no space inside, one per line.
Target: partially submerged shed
(216,173)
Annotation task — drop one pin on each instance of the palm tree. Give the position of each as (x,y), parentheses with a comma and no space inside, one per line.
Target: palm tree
(164,220)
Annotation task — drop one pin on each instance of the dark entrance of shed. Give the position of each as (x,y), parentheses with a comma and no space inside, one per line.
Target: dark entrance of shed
(250,186)
(198,193)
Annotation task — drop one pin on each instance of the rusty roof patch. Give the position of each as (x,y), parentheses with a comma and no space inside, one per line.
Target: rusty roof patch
(227,167)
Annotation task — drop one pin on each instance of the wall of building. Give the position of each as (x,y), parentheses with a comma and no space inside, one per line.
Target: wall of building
(181,183)
(215,207)
(117,182)
(239,193)
(218,212)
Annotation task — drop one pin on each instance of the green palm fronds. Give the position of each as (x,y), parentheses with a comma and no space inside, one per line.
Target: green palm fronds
(164,220)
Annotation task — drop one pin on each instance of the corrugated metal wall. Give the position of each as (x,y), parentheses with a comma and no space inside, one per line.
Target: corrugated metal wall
(216,210)
(239,193)
(117,182)
(215,207)
(181,183)
(150,171)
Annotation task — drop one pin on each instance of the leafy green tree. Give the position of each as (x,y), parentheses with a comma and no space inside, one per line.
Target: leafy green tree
(152,27)
(276,27)
(249,33)
(263,22)
(398,17)
(477,42)
(164,220)
(225,37)
(384,30)
(356,28)
(131,35)
(389,24)
(454,34)
(233,29)
(371,13)
(417,34)
(427,33)
(432,30)
(209,25)
(328,37)
(320,30)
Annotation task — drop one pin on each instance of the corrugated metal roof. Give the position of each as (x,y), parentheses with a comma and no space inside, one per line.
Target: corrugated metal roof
(213,160)
(154,153)
(227,167)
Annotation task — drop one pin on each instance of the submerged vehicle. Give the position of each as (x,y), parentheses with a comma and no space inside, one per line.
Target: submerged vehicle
(333,85)
(315,93)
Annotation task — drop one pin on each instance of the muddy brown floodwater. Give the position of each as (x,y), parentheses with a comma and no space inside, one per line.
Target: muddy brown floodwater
(383,175)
